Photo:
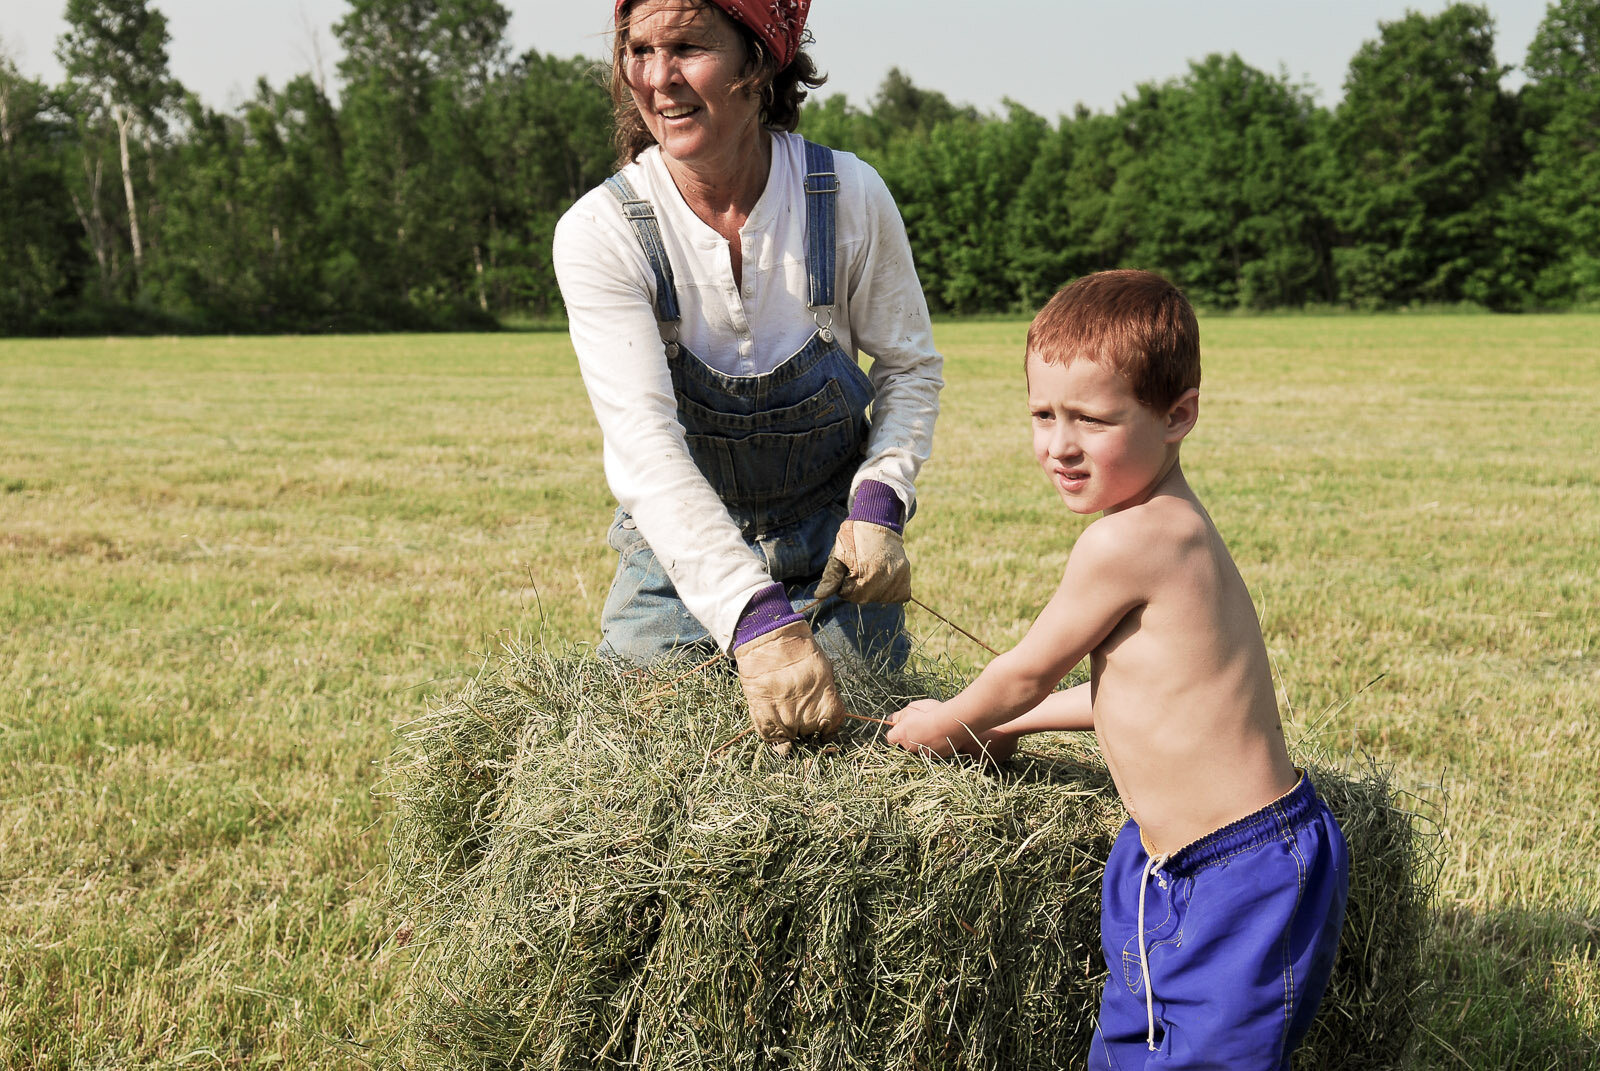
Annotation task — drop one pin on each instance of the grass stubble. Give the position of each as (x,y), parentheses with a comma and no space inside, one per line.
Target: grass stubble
(230,568)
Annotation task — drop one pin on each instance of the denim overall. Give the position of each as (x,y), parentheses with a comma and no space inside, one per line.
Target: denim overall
(780,449)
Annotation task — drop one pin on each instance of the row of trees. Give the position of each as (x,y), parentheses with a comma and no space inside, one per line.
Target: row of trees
(1428,183)
(425,196)
(427,193)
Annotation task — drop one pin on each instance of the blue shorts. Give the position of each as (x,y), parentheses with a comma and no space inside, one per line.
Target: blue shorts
(1240,931)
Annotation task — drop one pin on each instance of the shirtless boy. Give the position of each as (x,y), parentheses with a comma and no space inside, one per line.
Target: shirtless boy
(1225,892)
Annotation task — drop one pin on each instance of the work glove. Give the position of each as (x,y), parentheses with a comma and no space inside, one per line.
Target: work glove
(868,564)
(788,682)
(868,561)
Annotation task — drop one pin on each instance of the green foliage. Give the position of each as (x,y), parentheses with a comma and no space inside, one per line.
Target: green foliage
(1422,150)
(548,128)
(1215,183)
(954,186)
(1061,224)
(412,123)
(38,253)
(1558,199)
(117,51)
(115,56)
(427,194)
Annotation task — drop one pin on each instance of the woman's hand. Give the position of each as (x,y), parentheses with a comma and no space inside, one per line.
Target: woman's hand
(789,685)
(868,564)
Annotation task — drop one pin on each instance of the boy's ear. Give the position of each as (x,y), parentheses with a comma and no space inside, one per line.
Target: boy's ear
(1182,414)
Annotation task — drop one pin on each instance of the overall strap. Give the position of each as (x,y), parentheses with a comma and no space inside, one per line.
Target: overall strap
(822,195)
(642,215)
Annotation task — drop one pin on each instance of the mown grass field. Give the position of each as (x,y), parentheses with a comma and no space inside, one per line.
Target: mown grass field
(230,568)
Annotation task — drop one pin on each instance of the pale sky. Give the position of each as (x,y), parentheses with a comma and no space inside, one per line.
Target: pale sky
(1047,54)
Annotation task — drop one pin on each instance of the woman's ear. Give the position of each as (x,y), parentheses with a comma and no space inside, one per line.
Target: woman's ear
(1182,414)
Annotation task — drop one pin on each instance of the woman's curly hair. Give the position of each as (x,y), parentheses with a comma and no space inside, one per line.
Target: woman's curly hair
(782,92)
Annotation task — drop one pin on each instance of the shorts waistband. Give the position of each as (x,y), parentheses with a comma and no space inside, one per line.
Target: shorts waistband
(1271,823)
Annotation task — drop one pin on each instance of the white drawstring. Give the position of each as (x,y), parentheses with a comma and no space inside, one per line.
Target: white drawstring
(1155,864)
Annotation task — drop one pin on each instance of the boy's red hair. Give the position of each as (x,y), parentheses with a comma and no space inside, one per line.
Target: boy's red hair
(1133,322)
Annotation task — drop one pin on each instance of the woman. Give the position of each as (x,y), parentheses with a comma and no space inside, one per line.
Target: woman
(718,288)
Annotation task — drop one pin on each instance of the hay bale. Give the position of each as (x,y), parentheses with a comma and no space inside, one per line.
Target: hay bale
(597,879)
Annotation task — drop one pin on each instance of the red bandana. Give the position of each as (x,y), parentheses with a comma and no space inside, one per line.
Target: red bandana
(777,22)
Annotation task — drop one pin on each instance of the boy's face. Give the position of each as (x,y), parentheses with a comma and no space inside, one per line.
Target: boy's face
(1102,449)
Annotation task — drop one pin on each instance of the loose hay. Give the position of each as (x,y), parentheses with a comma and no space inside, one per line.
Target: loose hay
(597,881)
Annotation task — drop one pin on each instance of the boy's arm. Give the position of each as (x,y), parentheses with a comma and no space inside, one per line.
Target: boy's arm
(1072,709)
(1102,583)
(1058,712)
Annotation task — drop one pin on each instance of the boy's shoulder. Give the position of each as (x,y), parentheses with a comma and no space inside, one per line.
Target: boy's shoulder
(1130,557)
(1170,522)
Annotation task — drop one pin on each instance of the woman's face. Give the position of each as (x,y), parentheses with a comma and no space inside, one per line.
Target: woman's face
(683,62)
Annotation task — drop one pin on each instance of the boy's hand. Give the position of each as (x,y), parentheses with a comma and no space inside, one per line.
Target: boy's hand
(998,746)
(924,727)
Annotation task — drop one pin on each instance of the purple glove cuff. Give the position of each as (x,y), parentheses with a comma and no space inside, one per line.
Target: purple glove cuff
(768,609)
(876,503)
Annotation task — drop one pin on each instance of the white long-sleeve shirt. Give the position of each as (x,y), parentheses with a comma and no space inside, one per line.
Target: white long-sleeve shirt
(609,290)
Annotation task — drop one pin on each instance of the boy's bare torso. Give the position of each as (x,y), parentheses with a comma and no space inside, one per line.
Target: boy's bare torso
(1184,706)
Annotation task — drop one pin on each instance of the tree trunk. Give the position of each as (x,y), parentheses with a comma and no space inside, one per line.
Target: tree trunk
(124,120)
(152,207)
(477,259)
(94,225)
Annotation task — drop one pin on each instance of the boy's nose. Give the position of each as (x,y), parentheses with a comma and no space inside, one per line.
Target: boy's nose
(1063,443)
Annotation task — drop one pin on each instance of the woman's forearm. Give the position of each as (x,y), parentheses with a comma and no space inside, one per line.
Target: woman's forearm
(622,360)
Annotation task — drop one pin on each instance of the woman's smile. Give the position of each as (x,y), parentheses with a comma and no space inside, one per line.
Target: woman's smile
(685,68)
